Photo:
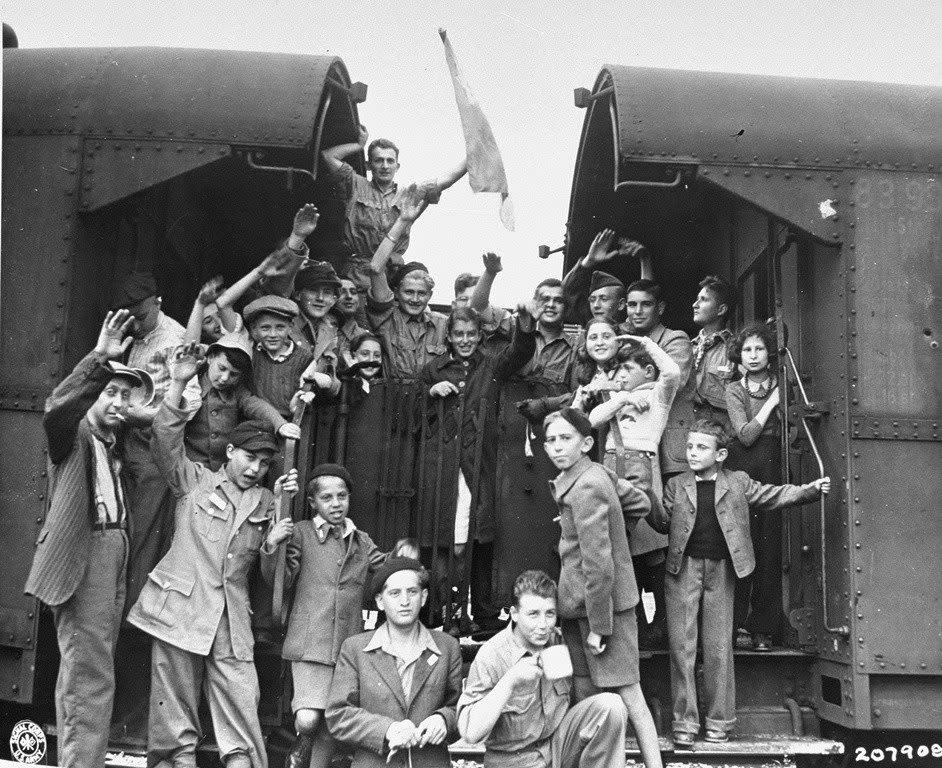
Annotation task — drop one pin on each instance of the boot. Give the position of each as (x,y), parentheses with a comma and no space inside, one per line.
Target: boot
(300,754)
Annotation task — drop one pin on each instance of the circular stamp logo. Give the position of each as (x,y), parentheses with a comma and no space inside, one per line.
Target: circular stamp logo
(27,742)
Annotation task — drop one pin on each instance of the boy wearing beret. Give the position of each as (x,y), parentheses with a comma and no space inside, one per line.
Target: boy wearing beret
(597,589)
(331,560)
(195,603)
(395,689)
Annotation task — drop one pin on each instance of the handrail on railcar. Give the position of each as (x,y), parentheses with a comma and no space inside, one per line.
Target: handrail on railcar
(843,629)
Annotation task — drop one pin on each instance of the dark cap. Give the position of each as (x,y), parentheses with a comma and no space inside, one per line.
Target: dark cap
(387,569)
(316,273)
(572,416)
(136,287)
(254,436)
(272,305)
(602,279)
(405,269)
(330,470)
(140,378)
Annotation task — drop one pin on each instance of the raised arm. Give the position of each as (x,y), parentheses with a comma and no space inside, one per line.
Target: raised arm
(452,175)
(481,295)
(208,294)
(77,392)
(512,358)
(333,157)
(412,206)
(485,698)
(180,472)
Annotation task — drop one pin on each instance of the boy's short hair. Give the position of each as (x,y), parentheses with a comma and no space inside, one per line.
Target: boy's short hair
(464,281)
(712,427)
(365,336)
(463,314)
(721,289)
(765,332)
(381,144)
(576,418)
(648,286)
(534,583)
(629,353)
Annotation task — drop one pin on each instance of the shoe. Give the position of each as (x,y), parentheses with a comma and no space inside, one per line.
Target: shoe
(300,754)
(743,640)
(716,737)
(761,642)
(683,739)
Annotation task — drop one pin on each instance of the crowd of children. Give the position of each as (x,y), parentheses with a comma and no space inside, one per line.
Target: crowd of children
(667,452)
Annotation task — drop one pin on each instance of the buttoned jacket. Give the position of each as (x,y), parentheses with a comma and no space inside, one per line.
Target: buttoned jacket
(736,492)
(329,577)
(596,577)
(61,556)
(366,697)
(215,544)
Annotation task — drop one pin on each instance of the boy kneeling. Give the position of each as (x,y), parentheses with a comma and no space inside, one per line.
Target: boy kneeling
(707,513)
(395,689)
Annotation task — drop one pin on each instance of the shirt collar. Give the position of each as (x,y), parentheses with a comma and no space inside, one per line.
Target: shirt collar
(564,481)
(348,526)
(278,358)
(712,478)
(382,641)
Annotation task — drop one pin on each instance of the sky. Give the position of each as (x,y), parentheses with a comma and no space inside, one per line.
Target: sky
(522,60)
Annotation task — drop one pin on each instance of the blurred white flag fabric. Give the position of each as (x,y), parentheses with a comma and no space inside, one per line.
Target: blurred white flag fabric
(485,167)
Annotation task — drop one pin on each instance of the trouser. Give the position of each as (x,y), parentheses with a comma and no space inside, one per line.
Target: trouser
(703,588)
(591,735)
(87,628)
(231,689)
(480,581)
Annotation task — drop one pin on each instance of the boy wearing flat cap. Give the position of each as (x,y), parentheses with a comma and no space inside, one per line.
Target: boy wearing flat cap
(330,560)
(80,561)
(196,603)
(317,289)
(394,690)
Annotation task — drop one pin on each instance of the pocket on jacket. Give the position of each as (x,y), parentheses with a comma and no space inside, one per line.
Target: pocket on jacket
(211,521)
(520,703)
(171,588)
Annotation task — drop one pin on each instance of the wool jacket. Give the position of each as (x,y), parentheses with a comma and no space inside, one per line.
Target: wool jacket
(219,531)
(674,441)
(596,578)
(61,556)
(330,577)
(366,697)
(736,492)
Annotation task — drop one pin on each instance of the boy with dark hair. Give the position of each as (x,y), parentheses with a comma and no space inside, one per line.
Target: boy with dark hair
(522,715)
(79,565)
(712,369)
(348,310)
(597,590)
(330,560)
(395,689)
(195,603)
(706,511)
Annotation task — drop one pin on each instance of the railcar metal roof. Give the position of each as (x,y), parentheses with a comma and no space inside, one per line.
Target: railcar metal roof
(232,97)
(785,144)
(780,121)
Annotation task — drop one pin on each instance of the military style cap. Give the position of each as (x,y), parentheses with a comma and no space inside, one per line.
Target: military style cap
(602,279)
(387,569)
(237,341)
(317,273)
(273,305)
(405,269)
(136,287)
(254,436)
